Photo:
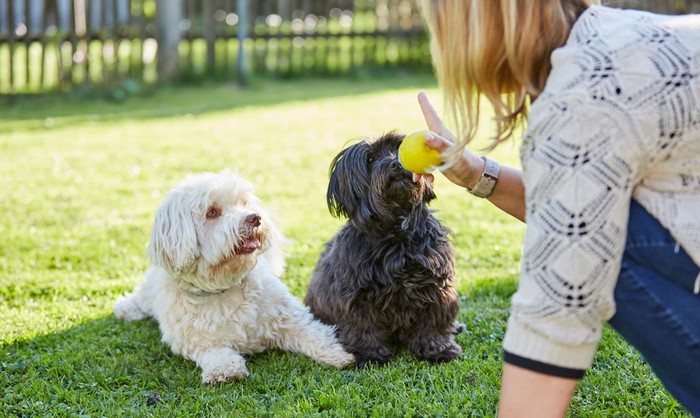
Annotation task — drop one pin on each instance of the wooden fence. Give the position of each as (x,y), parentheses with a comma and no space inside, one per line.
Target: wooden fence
(48,45)
(293,37)
(63,44)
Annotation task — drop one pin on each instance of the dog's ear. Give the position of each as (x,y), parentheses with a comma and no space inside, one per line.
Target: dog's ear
(428,193)
(349,182)
(173,243)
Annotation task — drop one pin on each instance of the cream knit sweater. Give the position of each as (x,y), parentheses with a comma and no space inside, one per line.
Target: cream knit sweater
(619,119)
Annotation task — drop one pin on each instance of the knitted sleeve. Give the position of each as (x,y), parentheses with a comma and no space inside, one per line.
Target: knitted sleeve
(618,117)
(579,172)
(581,157)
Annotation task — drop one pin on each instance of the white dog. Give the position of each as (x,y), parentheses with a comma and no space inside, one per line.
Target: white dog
(213,285)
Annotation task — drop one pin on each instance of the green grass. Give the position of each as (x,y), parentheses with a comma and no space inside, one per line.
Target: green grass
(82,181)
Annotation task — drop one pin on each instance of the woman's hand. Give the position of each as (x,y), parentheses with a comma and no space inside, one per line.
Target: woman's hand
(509,194)
(467,170)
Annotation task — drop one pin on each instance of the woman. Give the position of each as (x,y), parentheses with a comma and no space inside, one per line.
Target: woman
(610,186)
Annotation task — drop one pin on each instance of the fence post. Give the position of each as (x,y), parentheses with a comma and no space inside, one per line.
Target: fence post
(209,32)
(168,16)
(242,32)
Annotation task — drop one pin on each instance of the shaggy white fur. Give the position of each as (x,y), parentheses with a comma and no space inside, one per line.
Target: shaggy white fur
(214,284)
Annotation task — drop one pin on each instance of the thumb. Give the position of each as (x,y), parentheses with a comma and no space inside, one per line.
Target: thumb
(436,142)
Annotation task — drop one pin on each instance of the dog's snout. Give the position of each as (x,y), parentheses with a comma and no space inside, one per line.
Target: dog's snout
(253,220)
(396,166)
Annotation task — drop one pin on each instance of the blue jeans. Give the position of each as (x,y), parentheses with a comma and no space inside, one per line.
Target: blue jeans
(657,311)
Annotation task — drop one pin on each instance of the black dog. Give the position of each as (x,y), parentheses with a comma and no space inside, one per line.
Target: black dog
(387,276)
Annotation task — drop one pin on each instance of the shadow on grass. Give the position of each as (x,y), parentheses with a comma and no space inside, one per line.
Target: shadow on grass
(91,367)
(54,111)
(112,368)
(106,367)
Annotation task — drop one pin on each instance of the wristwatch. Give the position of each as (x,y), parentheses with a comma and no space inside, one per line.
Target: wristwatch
(484,187)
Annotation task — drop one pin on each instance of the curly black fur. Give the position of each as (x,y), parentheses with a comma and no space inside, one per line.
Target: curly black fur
(387,276)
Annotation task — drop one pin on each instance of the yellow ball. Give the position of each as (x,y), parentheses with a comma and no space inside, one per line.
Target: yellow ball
(417,157)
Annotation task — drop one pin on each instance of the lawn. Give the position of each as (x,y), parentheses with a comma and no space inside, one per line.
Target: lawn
(81,182)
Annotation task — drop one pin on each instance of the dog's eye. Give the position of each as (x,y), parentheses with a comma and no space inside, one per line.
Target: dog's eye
(213,213)
(370,159)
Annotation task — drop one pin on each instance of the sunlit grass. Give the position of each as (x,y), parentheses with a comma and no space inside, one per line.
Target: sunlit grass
(82,181)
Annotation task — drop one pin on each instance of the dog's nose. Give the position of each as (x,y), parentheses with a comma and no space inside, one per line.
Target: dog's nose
(396,166)
(253,219)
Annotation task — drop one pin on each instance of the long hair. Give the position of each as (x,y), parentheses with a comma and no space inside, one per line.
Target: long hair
(498,50)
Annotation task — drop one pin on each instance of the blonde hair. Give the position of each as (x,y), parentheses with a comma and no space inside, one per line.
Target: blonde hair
(498,49)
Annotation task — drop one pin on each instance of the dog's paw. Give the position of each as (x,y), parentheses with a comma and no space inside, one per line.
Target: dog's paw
(437,350)
(449,352)
(226,373)
(378,356)
(338,358)
(458,328)
(127,309)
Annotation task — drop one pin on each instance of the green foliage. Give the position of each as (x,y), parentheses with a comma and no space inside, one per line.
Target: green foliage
(82,182)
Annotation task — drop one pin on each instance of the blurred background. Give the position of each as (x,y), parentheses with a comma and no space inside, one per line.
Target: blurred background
(119,47)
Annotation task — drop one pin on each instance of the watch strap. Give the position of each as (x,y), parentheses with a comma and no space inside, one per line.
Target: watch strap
(484,187)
